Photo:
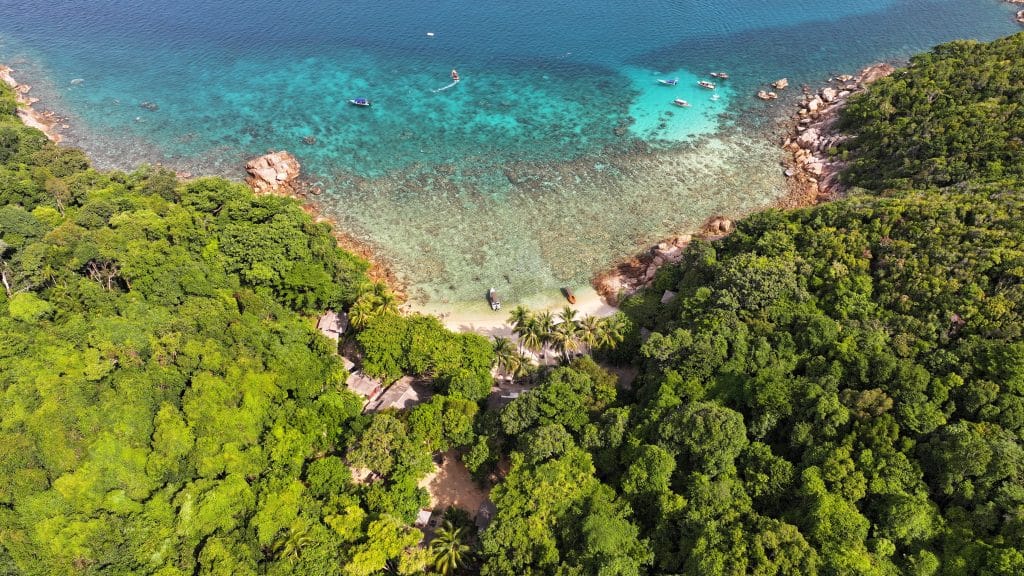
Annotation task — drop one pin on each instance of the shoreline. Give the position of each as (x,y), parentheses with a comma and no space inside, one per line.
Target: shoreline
(810,179)
(45,122)
(811,170)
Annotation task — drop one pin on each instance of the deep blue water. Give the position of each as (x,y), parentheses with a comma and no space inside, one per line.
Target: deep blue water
(557,153)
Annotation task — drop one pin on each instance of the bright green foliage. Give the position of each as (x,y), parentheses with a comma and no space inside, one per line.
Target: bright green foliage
(956,114)
(165,407)
(836,390)
(460,364)
(27,307)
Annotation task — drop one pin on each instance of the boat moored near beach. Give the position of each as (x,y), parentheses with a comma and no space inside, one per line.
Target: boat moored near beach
(665,82)
(681,103)
(360,102)
(567,292)
(706,84)
(492,296)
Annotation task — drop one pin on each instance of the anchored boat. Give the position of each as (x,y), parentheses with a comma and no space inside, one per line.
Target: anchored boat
(721,75)
(671,82)
(706,84)
(567,292)
(360,102)
(681,103)
(492,297)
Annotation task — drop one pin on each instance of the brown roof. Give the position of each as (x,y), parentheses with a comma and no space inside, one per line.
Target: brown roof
(364,385)
(404,393)
(332,324)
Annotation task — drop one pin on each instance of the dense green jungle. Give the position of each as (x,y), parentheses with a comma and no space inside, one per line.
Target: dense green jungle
(834,390)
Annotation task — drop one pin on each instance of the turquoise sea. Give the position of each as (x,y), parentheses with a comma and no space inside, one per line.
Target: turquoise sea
(556,154)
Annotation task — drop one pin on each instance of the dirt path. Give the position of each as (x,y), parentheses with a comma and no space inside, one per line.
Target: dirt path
(451,485)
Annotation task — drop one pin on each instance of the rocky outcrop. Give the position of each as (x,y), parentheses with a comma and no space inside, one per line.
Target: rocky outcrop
(764,95)
(273,173)
(46,122)
(628,277)
(812,170)
(780,84)
(1020,17)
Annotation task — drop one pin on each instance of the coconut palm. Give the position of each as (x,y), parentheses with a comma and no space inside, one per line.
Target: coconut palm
(291,541)
(566,338)
(568,314)
(530,336)
(505,355)
(449,551)
(545,325)
(521,367)
(361,312)
(384,301)
(590,331)
(519,317)
(611,333)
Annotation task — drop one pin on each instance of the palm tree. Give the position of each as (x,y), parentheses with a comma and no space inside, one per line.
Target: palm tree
(590,329)
(530,336)
(519,316)
(361,312)
(545,325)
(291,541)
(611,333)
(504,354)
(568,314)
(521,367)
(449,551)
(386,304)
(566,339)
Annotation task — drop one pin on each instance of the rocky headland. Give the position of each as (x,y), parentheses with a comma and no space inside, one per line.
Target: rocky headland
(812,170)
(45,122)
(812,173)
(279,173)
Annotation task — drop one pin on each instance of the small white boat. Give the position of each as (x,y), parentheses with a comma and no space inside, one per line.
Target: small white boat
(721,75)
(681,103)
(360,102)
(706,84)
(671,82)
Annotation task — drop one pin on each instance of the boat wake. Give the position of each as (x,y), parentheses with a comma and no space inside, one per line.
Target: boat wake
(447,87)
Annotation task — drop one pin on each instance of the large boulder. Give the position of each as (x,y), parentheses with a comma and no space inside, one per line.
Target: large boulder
(273,173)
(875,72)
(808,138)
(780,84)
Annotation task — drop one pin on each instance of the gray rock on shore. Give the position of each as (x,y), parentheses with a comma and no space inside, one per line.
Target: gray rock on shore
(812,168)
(272,173)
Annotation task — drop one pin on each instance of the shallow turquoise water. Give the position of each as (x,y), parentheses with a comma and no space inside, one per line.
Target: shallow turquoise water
(556,154)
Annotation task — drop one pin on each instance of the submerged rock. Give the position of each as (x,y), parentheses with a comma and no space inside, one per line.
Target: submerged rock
(151,106)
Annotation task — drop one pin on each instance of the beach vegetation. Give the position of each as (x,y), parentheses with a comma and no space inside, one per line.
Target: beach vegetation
(835,390)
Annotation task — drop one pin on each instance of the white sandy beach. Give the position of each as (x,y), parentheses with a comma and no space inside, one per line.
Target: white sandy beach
(480,319)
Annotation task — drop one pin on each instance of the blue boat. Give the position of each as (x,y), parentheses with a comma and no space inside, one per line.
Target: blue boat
(359,102)
(671,82)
